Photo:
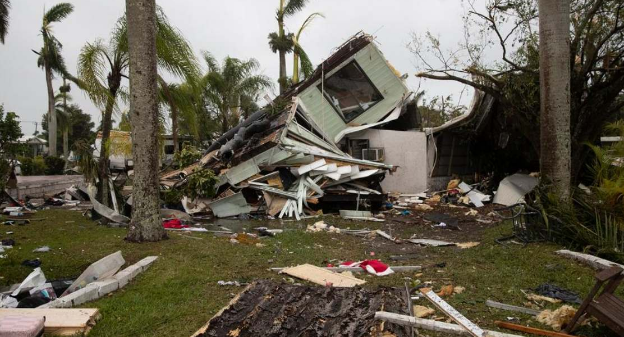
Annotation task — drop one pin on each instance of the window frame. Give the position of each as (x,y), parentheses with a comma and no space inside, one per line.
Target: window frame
(370,82)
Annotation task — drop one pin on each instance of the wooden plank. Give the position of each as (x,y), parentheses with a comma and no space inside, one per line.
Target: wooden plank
(535,331)
(429,324)
(508,307)
(453,314)
(432,243)
(322,276)
(64,322)
(359,269)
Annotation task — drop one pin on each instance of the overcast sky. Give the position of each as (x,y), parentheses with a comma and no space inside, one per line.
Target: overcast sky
(238,28)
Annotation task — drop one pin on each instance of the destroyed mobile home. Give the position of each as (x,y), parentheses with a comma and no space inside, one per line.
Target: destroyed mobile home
(289,158)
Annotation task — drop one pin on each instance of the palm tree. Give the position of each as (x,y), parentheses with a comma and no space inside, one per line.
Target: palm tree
(181,98)
(554,53)
(306,65)
(142,41)
(51,60)
(280,42)
(226,85)
(5,5)
(102,68)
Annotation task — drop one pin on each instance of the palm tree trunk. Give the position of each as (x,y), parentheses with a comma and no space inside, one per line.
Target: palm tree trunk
(295,67)
(555,148)
(174,114)
(103,188)
(65,128)
(52,127)
(282,55)
(146,224)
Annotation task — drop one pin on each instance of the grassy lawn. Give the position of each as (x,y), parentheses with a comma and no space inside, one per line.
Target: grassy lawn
(179,293)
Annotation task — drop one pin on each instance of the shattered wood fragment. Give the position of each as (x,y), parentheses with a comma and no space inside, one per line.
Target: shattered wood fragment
(60,322)
(360,269)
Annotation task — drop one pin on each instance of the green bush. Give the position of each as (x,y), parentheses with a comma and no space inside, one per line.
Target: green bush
(171,196)
(33,166)
(188,156)
(201,184)
(5,169)
(54,165)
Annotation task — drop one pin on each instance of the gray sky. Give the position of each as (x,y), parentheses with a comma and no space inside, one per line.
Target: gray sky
(238,28)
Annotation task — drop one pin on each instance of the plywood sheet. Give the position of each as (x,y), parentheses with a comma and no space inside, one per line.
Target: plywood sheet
(64,322)
(322,276)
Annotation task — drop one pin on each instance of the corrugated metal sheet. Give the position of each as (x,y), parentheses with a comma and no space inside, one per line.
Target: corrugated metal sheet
(230,206)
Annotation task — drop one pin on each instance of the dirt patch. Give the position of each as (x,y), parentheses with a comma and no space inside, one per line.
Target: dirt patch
(267,308)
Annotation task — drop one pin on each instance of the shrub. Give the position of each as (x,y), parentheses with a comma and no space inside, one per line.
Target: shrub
(54,165)
(33,166)
(188,156)
(594,219)
(5,169)
(200,184)
(171,197)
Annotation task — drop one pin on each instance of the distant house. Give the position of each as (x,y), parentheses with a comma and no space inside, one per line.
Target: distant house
(121,149)
(37,146)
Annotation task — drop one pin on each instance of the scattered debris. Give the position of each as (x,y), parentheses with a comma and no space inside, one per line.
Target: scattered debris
(374,267)
(431,243)
(512,189)
(421,311)
(466,245)
(321,226)
(101,269)
(593,261)
(43,249)
(558,318)
(540,298)
(453,314)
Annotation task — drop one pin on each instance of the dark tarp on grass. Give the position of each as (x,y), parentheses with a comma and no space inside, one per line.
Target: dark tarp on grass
(267,308)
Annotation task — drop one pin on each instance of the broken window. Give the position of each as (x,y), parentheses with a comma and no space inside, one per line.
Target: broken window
(350,92)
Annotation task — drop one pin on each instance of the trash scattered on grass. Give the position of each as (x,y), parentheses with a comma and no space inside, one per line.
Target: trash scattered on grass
(556,319)
(43,249)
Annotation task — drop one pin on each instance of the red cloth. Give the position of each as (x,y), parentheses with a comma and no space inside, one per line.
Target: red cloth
(374,267)
(174,223)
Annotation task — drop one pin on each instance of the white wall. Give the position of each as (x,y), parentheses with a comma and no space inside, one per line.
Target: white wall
(406,149)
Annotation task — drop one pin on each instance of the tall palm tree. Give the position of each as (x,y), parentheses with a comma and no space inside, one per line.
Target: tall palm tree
(298,53)
(64,116)
(554,54)
(226,85)
(279,41)
(181,98)
(51,60)
(142,41)
(103,67)
(5,5)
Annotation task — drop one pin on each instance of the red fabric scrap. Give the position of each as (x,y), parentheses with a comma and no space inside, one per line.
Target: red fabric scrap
(174,223)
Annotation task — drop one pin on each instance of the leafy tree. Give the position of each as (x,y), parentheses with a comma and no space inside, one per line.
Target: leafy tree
(508,27)
(124,122)
(228,85)
(438,110)
(10,133)
(51,60)
(279,41)
(102,67)
(79,124)
(5,5)
(298,53)
(143,44)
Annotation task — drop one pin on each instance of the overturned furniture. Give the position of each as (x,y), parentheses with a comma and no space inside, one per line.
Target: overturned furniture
(606,307)
(293,155)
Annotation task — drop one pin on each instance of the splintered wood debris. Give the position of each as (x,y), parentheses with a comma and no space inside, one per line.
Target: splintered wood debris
(267,308)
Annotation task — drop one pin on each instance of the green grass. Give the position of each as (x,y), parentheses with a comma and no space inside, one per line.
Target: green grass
(179,293)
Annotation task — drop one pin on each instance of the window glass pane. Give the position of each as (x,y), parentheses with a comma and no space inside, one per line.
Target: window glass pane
(350,92)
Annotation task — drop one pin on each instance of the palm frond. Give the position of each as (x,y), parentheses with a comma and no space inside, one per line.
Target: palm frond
(306,23)
(307,68)
(277,43)
(5,5)
(93,67)
(57,13)
(174,51)
(294,6)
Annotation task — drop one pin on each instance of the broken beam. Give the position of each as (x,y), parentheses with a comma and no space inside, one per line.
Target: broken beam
(429,324)
(508,307)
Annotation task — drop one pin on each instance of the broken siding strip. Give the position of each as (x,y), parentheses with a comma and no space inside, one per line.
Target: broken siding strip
(230,206)
(295,146)
(302,132)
